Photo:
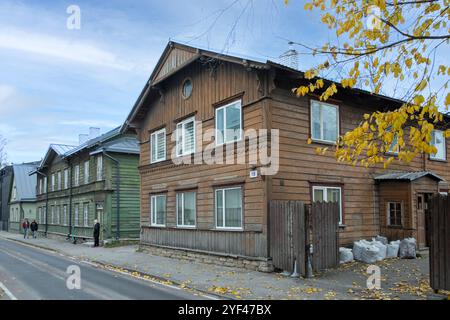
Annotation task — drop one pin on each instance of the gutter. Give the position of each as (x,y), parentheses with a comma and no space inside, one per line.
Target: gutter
(46,197)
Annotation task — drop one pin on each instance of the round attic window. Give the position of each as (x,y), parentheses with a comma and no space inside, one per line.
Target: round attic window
(187,88)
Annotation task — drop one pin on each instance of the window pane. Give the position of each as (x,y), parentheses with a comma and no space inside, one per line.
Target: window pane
(161,153)
(160,210)
(219,126)
(318,195)
(153,147)
(189,137)
(315,114)
(329,116)
(233,208)
(333,195)
(233,122)
(219,208)
(437,139)
(189,208)
(179,208)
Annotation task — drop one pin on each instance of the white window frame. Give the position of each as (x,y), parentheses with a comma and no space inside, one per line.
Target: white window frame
(225,122)
(86,169)
(64,222)
(52,211)
(66,178)
(45,184)
(155,134)
(224,208)
(388,214)
(325,196)
(85,215)
(153,206)
(58,215)
(76,217)
(432,157)
(53,182)
(58,180)
(99,167)
(182,131)
(77,175)
(183,225)
(315,102)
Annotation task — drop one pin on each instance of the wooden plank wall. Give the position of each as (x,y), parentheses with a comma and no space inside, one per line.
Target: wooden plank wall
(439,229)
(288,235)
(325,235)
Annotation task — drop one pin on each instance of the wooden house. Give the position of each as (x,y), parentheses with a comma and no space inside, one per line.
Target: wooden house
(220,211)
(22,196)
(6,174)
(96,180)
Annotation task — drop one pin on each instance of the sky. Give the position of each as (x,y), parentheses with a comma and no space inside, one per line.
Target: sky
(56,82)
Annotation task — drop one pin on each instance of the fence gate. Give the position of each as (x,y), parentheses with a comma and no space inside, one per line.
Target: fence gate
(324,223)
(439,237)
(288,235)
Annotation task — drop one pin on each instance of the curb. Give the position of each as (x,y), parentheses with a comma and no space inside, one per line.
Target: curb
(108,266)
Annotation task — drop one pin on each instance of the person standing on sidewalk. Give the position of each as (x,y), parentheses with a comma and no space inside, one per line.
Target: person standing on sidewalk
(96,233)
(25,227)
(34,228)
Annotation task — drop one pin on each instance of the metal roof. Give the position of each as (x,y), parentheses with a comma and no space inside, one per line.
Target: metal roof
(92,142)
(61,149)
(407,176)
(25,184)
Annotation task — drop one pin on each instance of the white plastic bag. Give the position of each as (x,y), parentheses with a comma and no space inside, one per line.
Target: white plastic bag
(382,250)
(407,249)
(392,249)
(370,254)
(358,246)
(345,255)
(382,239)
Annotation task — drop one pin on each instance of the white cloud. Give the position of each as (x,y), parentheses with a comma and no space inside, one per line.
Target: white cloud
(72,50)
(90,123)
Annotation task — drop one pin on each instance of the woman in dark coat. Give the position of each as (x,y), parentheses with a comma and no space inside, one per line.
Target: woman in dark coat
(96,233)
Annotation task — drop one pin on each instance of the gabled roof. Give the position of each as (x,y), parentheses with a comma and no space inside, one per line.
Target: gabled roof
(195,53)
(93,142)
(25,184)
(58,149)
(122,145)
(407,176)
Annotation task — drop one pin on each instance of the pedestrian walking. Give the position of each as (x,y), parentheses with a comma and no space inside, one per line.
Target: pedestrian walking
(96,233)
(34,228)
(25,227)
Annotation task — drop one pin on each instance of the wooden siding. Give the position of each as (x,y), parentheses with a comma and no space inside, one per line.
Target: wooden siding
(300,167)
(209,89)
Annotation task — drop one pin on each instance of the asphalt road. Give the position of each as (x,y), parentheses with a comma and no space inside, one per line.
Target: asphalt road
(31,273)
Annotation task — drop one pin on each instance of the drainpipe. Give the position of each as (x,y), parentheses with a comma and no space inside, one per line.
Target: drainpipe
(117,162)
(70,199)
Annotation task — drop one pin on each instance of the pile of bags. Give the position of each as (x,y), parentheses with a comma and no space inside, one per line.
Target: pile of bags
(378,249)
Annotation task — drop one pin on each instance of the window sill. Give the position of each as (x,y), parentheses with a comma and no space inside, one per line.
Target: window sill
(327,142)
(228,229)
(186,227)
(437,160)
(394,227)
(157,225)
(342,226)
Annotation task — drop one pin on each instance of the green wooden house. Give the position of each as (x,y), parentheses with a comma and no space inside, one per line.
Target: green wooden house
(98,179)
(22,196)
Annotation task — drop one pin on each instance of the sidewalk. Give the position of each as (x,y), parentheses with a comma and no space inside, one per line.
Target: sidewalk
(401,279)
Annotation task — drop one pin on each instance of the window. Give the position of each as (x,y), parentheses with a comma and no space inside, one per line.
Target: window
(86,215)
(66,178)
(229,123)
(45,184)
(187,88)
(44,214)
(59,180)
(438,140)
(52,217)
(39,217)
(99,167)
(53,182)
(393,148)
(186,209)
(41,186)
(324,121)
(14,193)
(58,215)
(328,194)
(229,208)
(394,214)
(158,145)
(186,137)
(77,175)
(75,216)
(86,172)
(64,222)
(158,210)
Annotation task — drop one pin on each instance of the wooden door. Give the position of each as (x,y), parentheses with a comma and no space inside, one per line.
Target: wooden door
(421,221)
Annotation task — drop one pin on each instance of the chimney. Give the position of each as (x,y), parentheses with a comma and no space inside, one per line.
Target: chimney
(290,57)
(93,132)
(82,138)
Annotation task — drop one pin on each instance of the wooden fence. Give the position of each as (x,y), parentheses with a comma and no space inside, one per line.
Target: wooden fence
(294,225)
(439,237)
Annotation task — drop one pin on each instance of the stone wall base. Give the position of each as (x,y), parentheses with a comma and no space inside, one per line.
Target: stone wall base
(250,263)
